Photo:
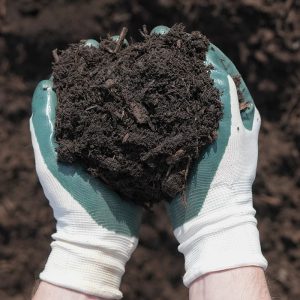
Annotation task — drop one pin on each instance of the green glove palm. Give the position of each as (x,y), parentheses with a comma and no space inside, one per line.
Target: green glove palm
(207,166)
(216,227)
(96,230)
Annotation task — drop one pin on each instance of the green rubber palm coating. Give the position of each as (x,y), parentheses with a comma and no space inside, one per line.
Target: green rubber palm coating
(101,203)
(206,168)
(203,173)
(215,54)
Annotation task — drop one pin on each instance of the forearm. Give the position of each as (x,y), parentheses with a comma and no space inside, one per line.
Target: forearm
(247,283)
(47,291)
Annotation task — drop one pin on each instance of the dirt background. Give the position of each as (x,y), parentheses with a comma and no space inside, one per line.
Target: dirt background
(263,39)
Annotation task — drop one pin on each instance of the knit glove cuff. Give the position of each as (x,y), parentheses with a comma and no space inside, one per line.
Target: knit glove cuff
(221,239)
(232,248)
(92,270)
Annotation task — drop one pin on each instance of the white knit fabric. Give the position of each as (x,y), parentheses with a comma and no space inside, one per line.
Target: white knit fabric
(224,234)
(85,256)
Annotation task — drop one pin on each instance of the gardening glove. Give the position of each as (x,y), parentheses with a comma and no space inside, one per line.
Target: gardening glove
(96,232)
(216,227)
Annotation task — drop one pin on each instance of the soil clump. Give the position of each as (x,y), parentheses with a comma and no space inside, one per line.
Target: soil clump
(139,116)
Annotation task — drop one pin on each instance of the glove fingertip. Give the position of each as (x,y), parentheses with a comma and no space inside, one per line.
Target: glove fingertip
(43,97)
(160,30)
(92,43)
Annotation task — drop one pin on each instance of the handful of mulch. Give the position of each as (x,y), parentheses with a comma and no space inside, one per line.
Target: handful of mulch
(137,116)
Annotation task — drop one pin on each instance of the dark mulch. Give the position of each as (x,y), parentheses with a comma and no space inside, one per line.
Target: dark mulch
(137,117)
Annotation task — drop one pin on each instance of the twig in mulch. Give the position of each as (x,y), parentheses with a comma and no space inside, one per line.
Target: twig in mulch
(55,55)
(144,32)
(121,39)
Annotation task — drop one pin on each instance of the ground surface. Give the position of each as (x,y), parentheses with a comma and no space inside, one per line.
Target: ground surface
(261,37)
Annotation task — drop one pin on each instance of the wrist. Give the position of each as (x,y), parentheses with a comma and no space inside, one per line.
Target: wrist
(247,283)
(47,291)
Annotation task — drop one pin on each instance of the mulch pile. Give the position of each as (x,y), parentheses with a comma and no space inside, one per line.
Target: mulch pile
(137,117)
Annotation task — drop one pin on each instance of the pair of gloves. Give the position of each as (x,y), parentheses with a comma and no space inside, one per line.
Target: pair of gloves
(96,232)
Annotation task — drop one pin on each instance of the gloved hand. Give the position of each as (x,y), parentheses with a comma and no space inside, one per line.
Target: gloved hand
(96,232)
(216,227)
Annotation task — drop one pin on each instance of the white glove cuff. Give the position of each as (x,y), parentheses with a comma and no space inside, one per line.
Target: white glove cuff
(233,247)
(85,269)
